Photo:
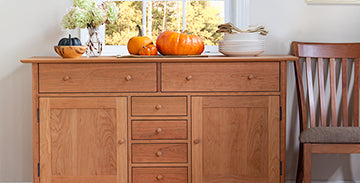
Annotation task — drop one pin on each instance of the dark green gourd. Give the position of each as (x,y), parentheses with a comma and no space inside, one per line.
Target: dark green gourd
(70,41)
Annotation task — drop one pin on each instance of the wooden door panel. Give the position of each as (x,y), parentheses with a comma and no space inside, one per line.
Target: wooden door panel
(78,141)
(237,139)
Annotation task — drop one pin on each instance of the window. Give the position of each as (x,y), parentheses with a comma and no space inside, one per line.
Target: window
(198,17)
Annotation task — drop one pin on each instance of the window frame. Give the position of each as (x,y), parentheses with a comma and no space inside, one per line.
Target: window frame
(236,12)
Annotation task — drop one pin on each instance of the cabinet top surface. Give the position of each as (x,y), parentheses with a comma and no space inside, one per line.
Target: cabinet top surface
(132,59)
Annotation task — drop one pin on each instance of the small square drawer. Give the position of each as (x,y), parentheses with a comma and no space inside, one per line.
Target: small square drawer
(109,77)
(231,76)
(163,175)
(159,153)
(159,106)
(159,130)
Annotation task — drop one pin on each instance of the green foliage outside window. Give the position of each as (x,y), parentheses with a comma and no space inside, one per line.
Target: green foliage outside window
(202,19)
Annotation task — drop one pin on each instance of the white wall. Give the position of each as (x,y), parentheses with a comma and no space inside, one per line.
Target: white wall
(294,20)
(32,28)
(28,28)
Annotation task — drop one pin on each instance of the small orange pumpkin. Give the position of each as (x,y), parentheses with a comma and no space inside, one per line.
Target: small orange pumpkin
(136,43)
(148,50)
(173,43)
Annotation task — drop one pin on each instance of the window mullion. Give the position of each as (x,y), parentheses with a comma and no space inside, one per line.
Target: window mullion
(144,3)
(184,15)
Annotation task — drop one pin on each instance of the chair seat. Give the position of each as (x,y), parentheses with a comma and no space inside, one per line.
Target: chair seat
(331,135)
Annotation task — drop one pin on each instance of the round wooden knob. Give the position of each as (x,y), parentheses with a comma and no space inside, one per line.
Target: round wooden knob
(196,141)
(65,78)
(128,78)
(250,77)
(159,177)
(158,130)
(188,78)
(121,141)
(158,154)
(158,107)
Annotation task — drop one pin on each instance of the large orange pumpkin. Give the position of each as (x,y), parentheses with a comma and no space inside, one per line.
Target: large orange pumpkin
(136,43)
(173,43)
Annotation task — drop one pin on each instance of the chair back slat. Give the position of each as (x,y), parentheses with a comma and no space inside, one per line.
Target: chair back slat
(333,92)
(310,92)
(301,97)
(356,91)
(322,91)
(344,93)
(321,54)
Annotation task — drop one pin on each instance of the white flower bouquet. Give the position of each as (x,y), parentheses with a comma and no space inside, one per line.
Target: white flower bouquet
(86,13)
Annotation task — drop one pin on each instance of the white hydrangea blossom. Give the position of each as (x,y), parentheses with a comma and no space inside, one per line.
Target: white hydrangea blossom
(86,13)
(85,4)
(112,11)
(98,16)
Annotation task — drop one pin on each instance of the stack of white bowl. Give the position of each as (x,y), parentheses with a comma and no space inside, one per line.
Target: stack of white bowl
(242,44)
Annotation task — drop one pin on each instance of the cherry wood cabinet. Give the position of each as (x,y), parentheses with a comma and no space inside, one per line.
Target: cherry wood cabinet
(159,119)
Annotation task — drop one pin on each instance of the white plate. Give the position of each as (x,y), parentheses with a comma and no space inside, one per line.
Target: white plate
(242,53)
(247,42)
(241,36)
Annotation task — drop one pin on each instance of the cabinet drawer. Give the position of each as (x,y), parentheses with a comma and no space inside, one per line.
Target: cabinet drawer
(124,77)
(234,76)
(159,153)
(155,106)
(163,175)
(159,130)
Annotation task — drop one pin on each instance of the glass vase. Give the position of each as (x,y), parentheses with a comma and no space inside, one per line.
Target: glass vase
(94,44)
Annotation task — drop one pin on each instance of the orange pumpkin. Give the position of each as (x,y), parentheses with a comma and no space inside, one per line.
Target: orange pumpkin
(137,43)
(173,43)
(148,50)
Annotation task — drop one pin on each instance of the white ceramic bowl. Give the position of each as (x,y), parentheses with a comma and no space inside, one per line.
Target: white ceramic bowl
(242,42)
(242,53)
(241,36)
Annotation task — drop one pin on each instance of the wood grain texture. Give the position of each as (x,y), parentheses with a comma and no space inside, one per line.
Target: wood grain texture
(315,52)
(356,91)
(238,140)
(160,153)
(310,86)
(113,59)
(163,175)
(35,124)
(344,98)
(90,118)
(125,77)
(79,143)
(242,76)
(159,130)
(155,106)
(283,88)
(333,93)
(323,109)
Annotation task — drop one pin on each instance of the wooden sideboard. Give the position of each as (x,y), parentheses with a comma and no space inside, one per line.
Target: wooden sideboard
(157,119)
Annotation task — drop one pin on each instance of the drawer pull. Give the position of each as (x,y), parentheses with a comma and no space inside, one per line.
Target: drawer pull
(128,78)
(197,141)
(250,77)
(158,130)
(158,154)
(121,141)
(159,177)
(188,78)
(65,78)
(158,107)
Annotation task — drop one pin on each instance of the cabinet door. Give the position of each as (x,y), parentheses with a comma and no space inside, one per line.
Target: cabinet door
(235,139)
(83,140)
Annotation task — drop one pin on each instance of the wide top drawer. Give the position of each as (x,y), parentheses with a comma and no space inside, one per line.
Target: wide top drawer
(125,77)
(234,76)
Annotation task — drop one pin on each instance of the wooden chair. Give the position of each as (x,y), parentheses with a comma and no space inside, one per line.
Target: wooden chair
(321,132)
